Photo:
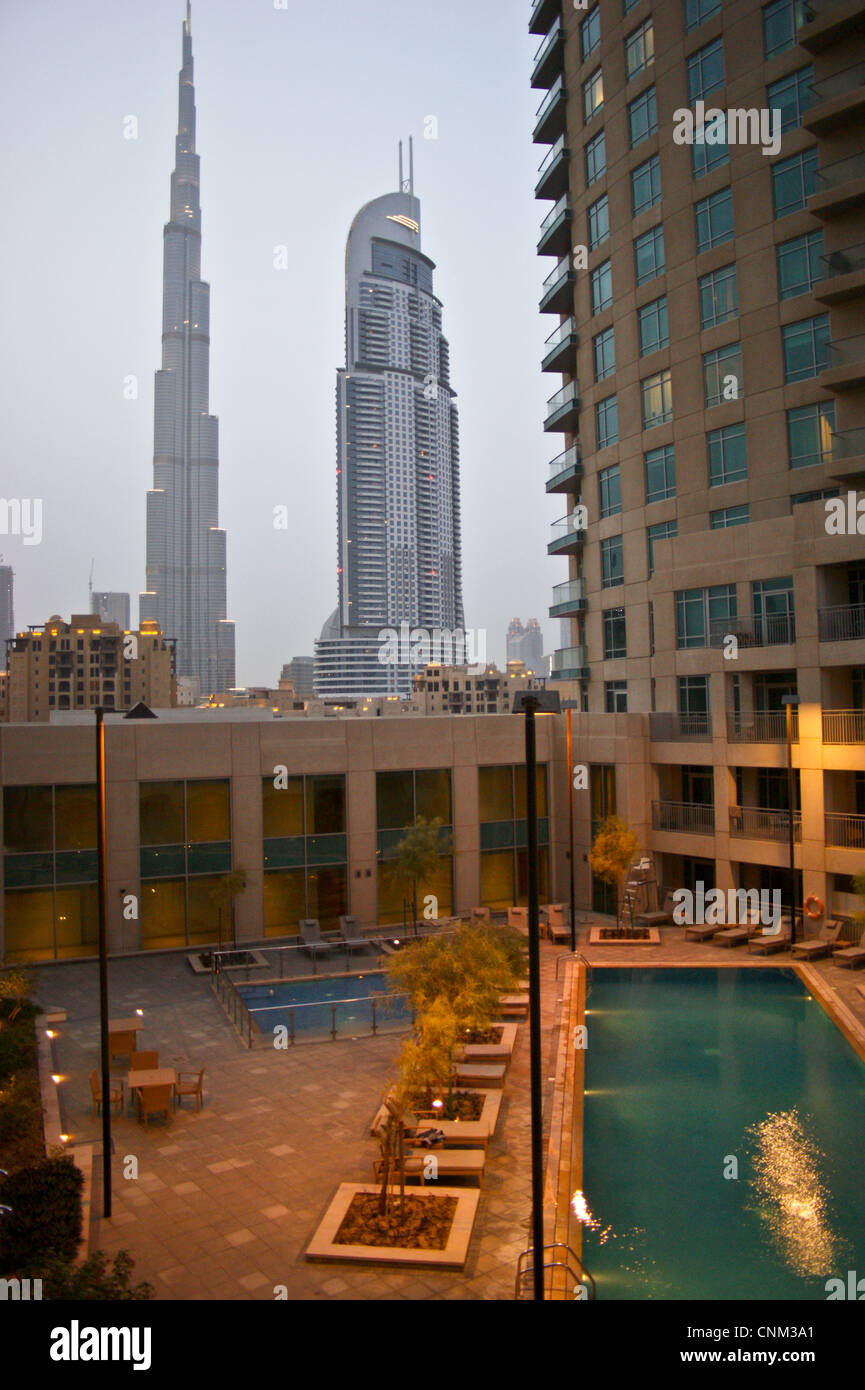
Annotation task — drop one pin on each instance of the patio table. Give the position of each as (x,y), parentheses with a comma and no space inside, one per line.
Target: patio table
(122,1034)
(153,1076)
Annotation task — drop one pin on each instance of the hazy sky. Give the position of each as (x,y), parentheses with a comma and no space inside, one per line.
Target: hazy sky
(299,114)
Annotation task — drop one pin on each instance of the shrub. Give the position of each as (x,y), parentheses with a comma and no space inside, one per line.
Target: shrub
(45,1217)
(17,1048)
(93,1280)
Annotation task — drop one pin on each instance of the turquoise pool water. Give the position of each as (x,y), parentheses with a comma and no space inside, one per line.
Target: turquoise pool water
(686,1071)
(319,1005)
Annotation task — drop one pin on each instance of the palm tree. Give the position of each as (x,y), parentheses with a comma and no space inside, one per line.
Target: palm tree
(417,855)
(226,888)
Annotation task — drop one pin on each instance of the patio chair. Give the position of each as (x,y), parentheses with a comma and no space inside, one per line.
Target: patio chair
(820,945)
(557,931)
(144,1061)
(115,1094)
(479,1074)
(700,932)
(657,919)
(154,1100)
(736,936)
(761,945)
(192,1086)
(349,929)
(850,957)
(310,934)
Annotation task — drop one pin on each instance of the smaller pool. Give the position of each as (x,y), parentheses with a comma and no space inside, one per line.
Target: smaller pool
(347,1005)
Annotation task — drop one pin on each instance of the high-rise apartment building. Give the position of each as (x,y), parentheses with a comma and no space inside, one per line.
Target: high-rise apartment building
(185,544)
(705,215)
(300,671)
(526,644)
(110,607)
(7,609)
(397,469)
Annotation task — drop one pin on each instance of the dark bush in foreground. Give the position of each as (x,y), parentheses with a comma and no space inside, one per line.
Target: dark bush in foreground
(45,1217)
(93,1280)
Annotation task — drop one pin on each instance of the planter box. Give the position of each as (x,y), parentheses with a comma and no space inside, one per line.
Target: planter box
(257,962)
(492,1052)
(454,1255)
(595,938)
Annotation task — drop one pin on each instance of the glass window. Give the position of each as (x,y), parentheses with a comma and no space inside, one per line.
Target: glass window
(596,157)
(327,893)
(799,266)
(660,532)
(806,348)
(282,807)
(284,893)
(714,219)
(793,182)
(700,613)
(325,805)
(604,349)
(706,70)
(496,793)
(602,287)
(640,49)
(646,185)
(781,21)
(792,96)
(649,255)
(694,694)
(643,116)
(27,820)
(77,921)
(433,792)
(722,374)
(607,421)
(615,644)
(394,795)
(161,813)
(811,434)
(599,222)
(610,490)
(520,789)
(698,11)
(163,914)
(75,817)
(29,924)
(728,461)
(654,329)
(774,608)
(207,812)
(719,297)
(730,516)
(590,32)
(707,155)
(593,95)
(611,562)
(660,474)
(657,399)
(616,697)
(497,878)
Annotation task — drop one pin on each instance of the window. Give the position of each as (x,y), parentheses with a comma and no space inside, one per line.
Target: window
(610,491)
(654,329)
(590,32)
(599,222)
(719,297)
(714,217)
(660,474)
(728,460)
(649,255)
(791,96)
(646,184)
(806,348)
(793,182)
(596,157)
(781,22)
(799,266)
(810,434)
(799,497)
(615,642)
(707,155)
(616,697)
(602,287)
(660,532)
(774,610)
(611,562)
(604,348)
(657,399)
(607,422)
(643,116)
(722,374)
(702,613)
(640,49)
(593,95)
(706,70)
(730,516)
(698,11)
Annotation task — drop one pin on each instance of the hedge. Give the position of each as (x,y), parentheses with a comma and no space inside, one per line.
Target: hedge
(45,1217)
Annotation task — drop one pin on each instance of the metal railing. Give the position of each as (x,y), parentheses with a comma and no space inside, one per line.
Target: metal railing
(584,960)
(665,727)
(552,154)
(844,830)
(771,630)
(564,396)
(848,444)
(565,528)
(560,334)
(562,271)
(686,817)
(761,726)
(761,823)
(547,43)
(844,726)
(845,622)
(575,1272)
(570,458)
(557,90)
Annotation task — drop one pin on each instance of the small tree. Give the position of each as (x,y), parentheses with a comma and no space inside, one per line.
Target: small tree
(15,985)
(94,1279)
(226,888)
(611,854)
(467,968)
(417,856)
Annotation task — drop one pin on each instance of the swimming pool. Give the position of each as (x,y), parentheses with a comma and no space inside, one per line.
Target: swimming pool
(319,1007)
(694,1074)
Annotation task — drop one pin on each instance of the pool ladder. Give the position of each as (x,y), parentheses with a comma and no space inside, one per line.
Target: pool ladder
(575,1271)
(578,955)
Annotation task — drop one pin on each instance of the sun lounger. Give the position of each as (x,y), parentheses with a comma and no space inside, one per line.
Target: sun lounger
(735,936)
(469,1134)
(700,932)
(449,1163)
(310,935)
(819,946)
(762,945)
(351,938)
(850,957)
(478,1074)
(557,931)
(513,1005)
(657,919)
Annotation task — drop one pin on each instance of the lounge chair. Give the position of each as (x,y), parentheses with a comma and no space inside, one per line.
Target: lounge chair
(657,919)
(736,936)
(513,1005)
(820,945)
(850,957)
(192,1086)
(449,1163)
(349,931)
(115,1094)
(310,934)
(701,932)
(154,1100)
(480,914)
(479,1074)
(763,945)
(557,931)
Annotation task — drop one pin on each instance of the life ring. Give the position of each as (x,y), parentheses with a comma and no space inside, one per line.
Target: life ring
(818,906)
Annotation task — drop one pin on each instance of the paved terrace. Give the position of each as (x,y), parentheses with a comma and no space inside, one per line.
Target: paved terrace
(226,1201)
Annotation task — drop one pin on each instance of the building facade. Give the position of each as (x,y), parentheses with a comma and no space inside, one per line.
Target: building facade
(301,672)
(526,644)
(111,607)
(186,566)
(463,690)
(7,603)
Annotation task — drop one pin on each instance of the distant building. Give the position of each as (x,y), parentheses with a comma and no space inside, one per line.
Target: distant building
(7,609)
(300,672)
(111,607)
(84,663)
(526,644)
(280,701)
(457,690)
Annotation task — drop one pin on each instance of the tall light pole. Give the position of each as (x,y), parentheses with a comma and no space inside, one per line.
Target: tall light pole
(790,702)
(103,960)
(571,831)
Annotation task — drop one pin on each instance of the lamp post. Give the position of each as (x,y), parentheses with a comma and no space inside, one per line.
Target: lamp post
(530,703)
(790,702)
(571,831)
(103,960)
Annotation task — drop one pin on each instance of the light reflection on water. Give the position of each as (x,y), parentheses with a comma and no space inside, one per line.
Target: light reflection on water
(793,1196)
(633,1258)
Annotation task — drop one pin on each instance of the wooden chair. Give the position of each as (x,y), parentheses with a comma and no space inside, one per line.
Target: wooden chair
(153,1100)
(193,1086)
(144,1061)
(115,1096)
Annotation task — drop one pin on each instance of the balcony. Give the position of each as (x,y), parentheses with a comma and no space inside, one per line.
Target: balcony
(563,410)
(555,239)
(772,630)
(843,275)
(547,62)
(846,367)
(847,460)
(837,99)
(844,831)
(565,537)
(683,817)
(840,186)
(558,295)
(679,728)
(845,622)
(844,726)
(759,823)
(543,14)
(827,21)
(566,470)
(761,726)
(570,664)
(560,348)
(550,116)
(568,598)
(553,172)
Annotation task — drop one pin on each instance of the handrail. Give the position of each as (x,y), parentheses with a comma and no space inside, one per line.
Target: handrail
(577,954)
(578,1275)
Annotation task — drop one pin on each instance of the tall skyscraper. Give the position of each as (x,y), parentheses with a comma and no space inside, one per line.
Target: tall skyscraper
(526,644)
(111,607)
(185,545)
(397,458)
(7,610)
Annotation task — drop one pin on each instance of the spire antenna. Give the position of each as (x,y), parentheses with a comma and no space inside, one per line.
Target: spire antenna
(188,17)
(411,165)
(400,166)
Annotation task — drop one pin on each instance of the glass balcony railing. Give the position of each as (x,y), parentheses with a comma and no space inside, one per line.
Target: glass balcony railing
(563,270)
(841,171)
(572,592)
(560,335)
(567,395)
(847,352)
(665,727)
(552,217)
(553,153)
(569,659)
(848,444)
(547,44)
(568,462)
(840,83)
(843,262)
(566,528)
(556,91)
